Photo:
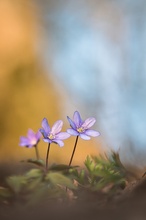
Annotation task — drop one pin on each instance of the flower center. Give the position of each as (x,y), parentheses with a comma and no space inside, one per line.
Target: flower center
(51,136)
(33,142)
(80,130)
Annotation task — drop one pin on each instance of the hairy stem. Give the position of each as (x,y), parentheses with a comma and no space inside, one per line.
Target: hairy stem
(47,156)
(73,150)
(37,152)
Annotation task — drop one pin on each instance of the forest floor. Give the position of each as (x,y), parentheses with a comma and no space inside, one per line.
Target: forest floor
(124,204)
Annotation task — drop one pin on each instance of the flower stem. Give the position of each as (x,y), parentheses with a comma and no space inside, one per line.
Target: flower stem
(73,150)
(47,156)
(37,152)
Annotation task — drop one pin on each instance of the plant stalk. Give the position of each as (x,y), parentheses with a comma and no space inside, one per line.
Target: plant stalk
(47,156)
(73,150)
(37,152)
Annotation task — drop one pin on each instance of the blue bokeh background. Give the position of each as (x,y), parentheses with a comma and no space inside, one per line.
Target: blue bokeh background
(97,51)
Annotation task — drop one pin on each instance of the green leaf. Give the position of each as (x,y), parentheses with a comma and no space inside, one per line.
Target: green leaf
(60,167)
(89,164)
(33,184)
(82,176)
(78,175)
(105,171)
(35,162)
(16,183)
(59,179)
(34,173)
(5,193)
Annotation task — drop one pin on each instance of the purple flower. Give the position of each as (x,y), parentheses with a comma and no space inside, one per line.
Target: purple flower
(31,140)
(53,135)
(81,128)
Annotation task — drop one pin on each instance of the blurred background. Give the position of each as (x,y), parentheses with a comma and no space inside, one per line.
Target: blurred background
(60,56)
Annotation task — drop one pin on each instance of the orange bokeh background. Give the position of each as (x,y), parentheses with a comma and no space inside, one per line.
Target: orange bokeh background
(27,92)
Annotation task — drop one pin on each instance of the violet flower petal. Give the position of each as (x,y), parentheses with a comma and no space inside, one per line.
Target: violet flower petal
(72,132)
(77,119)
(56,128)
(92,133)
(30,145)
(23,141)
(38,135)
(43,133)
(30,134)
(62,135)
(84,136)
(46,126)
(72,124)
(59,142)
(89,122)
(47,140)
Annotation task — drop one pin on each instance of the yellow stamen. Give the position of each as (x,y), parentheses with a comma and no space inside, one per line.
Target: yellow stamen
(80,130)
(51,136)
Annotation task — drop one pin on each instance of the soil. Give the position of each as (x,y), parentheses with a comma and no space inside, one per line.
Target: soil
(124,204)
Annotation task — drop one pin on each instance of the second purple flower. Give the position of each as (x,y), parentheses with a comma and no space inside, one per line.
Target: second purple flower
(53,135)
